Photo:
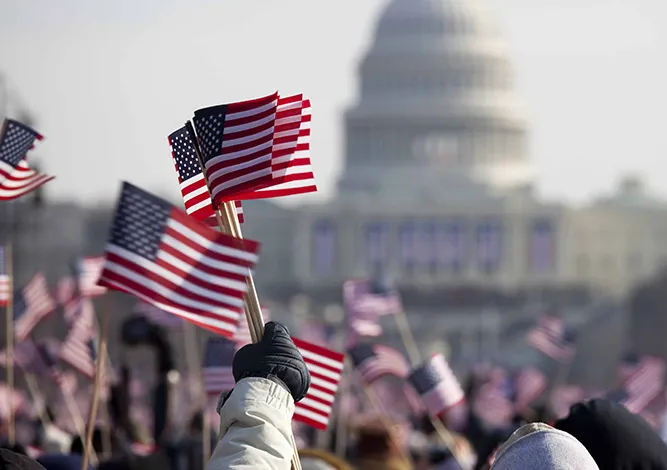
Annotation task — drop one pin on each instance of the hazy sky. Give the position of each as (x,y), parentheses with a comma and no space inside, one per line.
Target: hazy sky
(108,80)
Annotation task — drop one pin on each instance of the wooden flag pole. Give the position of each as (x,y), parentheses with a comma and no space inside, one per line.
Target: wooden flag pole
(254,308)
(99,371)
(72,408)
(79,424)
(408,338)
(415,359)
(33,388)
(9,332)
(229,223)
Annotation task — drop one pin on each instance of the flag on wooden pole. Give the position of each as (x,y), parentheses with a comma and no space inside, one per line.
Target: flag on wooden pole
(164,257)
(325,367)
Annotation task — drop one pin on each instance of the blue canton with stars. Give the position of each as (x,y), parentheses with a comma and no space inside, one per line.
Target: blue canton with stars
(16,141)
(20,305)
(184,154)
(361,353)
(140,222)
(46,355)
(92,348)
(219,352)
(425,378)
(210,125)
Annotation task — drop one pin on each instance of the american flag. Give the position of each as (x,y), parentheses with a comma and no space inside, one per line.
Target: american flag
(317,332)
(326,368)
(31,305)
(5,280)
(22,180)
(242,334)
(157,316)
(29,358)
(80,306)
(530,383)
(292,172)
(66,381)
(50,354)
(68,298)
(374,361)
(16,177)
(365,297)
(237,145)
(80,347)
(552,337)
(164,257)
(217,369)
(15,142)
(15,401)
(66,290)
(87,271)
(643,386)
(437,386)
(196,196)
(492,406)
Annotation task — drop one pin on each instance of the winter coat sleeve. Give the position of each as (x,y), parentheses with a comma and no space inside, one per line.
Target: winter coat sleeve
(255,428)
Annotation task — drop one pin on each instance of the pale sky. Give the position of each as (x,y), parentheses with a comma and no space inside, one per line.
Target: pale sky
(108,80)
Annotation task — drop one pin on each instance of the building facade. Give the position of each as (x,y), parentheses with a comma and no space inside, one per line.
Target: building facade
(437,185)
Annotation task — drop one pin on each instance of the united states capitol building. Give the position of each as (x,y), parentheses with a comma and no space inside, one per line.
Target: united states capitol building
(437,187)
(437,191)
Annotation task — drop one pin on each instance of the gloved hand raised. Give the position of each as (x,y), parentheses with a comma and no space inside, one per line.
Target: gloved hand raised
(275,358)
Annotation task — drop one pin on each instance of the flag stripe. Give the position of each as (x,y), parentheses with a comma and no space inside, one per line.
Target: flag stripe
(325,367)
(164,257)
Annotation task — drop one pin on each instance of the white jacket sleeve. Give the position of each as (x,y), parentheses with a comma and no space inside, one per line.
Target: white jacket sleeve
(255,428)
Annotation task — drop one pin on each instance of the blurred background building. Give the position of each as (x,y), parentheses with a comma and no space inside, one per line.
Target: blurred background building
(437,191)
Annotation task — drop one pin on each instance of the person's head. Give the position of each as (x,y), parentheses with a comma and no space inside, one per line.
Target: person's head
(538,446)
(615,437)
(196,424)
(61,462)
(16,448)
(315,459)
(10,460)
(375,440)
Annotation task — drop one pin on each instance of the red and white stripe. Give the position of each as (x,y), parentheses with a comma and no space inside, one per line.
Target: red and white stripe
(291,165)
(15,182)
(197,274)
(212,221)
(243,163)
(645,384)
(492,407)
(530,385)
(242,335)
(387,361)
(38,304)
(76,349)
(90,269)
(326,368)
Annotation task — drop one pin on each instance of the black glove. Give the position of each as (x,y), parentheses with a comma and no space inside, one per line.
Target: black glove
(276,358)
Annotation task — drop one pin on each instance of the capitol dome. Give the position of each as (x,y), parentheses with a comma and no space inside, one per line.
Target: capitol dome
(437,111)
